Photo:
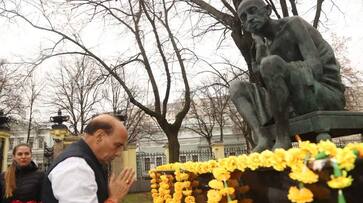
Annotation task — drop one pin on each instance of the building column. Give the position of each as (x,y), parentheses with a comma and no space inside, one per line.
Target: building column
(218,150)
(131,148)
(4,139)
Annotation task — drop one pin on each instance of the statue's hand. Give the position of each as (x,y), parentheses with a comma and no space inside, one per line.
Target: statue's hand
(258,40)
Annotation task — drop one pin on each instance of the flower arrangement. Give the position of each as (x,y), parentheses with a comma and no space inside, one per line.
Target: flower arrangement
(302,163)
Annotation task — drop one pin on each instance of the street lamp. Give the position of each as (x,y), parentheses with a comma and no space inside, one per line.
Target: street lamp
(59,130)
(4,140)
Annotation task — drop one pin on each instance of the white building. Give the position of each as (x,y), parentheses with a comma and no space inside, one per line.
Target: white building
(39,135)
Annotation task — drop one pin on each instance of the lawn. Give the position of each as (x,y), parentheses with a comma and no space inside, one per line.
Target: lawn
(138,198)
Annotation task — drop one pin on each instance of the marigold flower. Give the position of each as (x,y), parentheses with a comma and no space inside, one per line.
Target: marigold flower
(278,160)
(340,181)
(303,174)
(327,147)
(221,174)
(308,148)
(345,158)
(294,157)
(227,191)
(214,196)
(267,158)
(216,184)
(300,196)
(254,161)
(189,199)
(242,161)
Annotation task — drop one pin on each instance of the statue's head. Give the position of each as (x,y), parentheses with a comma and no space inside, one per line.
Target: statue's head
(253,14)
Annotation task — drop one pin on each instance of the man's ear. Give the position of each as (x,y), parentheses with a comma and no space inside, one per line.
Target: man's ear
(99,134)
(268,9)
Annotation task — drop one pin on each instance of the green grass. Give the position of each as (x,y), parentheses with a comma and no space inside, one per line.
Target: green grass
(138,198)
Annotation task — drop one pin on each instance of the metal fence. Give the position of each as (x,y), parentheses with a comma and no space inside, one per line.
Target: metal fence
(147,161)
(235,150)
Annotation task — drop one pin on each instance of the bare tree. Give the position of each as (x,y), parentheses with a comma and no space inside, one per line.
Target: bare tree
(113,95)
(352,78)
(11,101)
(76,90)
(32,92)
(145,22)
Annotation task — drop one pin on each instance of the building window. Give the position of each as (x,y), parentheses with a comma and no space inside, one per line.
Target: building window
(31,141)
(11,143)
(195,158)
(159,161)
(183,159)
(147,164)
(40,142)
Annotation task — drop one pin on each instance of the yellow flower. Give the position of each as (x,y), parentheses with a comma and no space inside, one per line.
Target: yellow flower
(303,174)
(227,191)
(189,199)
(233,201)
(221,174)
(177,195)
(294,157)
(242,162)
(214,196)
(181,176)
(341,181)
(278,160)
(356,146)
(154,186)
(345,158)
(327,147)
(267,158)
(308,148)
(300,196)
(229,163)
(187,192)
(216,184)
(254,161)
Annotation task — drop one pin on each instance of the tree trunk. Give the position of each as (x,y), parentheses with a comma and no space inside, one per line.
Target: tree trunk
(173,146)
(209,140)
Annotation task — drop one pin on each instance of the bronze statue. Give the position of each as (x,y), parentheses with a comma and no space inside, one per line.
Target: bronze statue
(299,73)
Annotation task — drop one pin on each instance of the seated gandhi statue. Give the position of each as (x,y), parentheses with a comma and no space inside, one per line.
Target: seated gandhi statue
(298,70)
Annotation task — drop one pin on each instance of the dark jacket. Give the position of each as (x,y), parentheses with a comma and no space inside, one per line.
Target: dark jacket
(78,149)
(28,184)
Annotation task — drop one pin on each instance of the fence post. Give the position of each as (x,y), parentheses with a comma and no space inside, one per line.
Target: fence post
(131,148)
(166,152)
(218,150)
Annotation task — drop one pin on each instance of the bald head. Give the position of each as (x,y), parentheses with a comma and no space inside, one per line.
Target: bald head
(245,3)
(106,136)
(104,122)
(254,14)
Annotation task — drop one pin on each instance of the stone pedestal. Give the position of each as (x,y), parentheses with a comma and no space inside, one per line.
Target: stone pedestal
(218,150)
(127,159)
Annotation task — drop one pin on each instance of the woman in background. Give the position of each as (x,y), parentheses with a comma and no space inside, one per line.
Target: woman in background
(22,181)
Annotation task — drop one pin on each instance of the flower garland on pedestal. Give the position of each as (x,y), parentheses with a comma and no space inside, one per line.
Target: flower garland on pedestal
(304,163)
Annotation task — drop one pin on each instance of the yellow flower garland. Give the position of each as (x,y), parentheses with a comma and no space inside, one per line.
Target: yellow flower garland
(296,159)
